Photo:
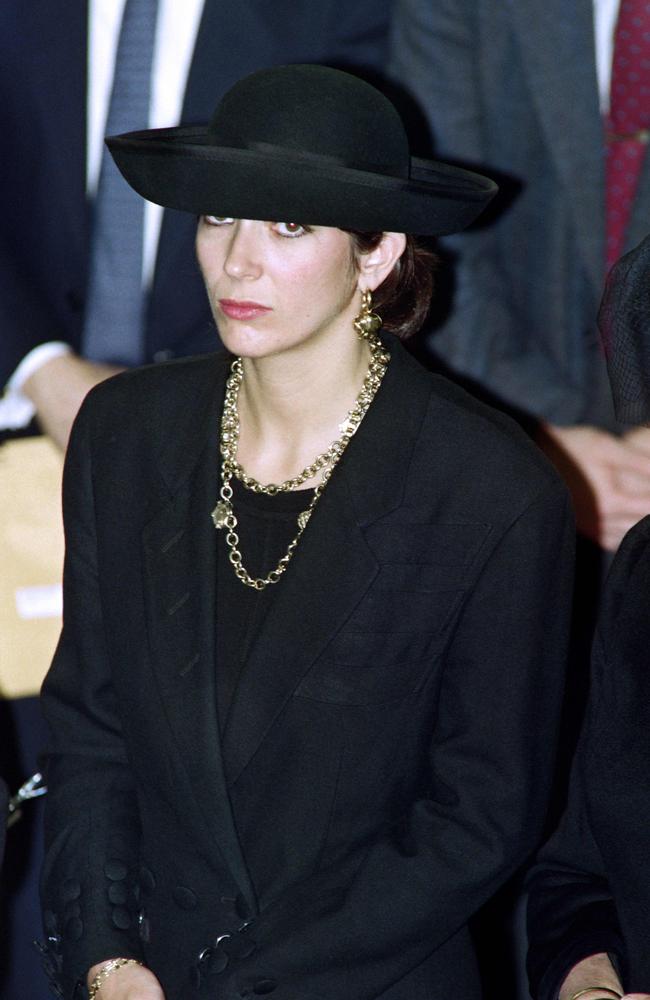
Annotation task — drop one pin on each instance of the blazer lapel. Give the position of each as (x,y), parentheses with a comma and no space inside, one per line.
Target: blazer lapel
(558,49)
(333,566)
(179,556)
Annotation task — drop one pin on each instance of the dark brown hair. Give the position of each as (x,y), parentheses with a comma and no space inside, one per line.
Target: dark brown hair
(404,297)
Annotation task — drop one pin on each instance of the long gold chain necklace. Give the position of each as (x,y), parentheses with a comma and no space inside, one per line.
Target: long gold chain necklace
(223,514)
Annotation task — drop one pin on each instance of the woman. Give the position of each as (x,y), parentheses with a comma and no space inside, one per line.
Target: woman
(590,891)
(300,732)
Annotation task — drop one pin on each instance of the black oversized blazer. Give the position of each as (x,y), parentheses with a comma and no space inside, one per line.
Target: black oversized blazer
(388,754)
(590,890)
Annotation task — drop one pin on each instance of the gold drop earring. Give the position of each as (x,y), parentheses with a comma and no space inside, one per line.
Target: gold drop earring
(367,322)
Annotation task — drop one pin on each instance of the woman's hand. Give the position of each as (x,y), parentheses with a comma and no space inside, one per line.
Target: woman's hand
(129,982)
(595,971)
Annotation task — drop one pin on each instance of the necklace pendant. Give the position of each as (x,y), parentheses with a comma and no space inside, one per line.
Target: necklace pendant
(303,518)
(219,515)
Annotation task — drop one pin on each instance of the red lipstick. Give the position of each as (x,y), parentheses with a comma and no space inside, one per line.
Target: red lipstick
(242,310)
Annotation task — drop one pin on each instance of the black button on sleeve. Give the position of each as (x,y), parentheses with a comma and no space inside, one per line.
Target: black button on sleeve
(217,962)
(115,870)
(239,946)
(117,893)
(121,918)
(70,890)
(264,986)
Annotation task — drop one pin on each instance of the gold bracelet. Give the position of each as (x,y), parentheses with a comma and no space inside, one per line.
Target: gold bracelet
(105,971)
(593,989)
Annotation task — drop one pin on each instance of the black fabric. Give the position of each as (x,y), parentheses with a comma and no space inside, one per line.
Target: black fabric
(307,143)
(386,763)
(4,797)
(624,323)
(266,526)
(590,890)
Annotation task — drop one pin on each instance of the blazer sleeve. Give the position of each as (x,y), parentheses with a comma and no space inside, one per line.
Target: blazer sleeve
(571,912)
(573,908)
(436,56)
(354,931)
(91,832)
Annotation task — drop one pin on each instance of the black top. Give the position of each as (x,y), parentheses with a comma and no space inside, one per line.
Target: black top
(266,526)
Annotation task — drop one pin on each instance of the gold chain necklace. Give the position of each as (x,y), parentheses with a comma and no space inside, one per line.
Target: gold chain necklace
(223,514)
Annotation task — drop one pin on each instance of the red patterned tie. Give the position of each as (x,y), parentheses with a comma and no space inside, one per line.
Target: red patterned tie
(629,119)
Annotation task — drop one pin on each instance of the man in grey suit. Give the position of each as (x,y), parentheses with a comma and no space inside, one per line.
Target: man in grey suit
(512,87)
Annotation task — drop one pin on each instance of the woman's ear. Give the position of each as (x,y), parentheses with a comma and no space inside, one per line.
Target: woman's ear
(376,265)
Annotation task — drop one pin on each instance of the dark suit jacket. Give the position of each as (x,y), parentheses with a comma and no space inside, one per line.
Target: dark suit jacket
(45,230)
(590,891)
(510,86)
(388,755)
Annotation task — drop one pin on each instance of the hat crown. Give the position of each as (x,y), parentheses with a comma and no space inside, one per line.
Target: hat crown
(313,112)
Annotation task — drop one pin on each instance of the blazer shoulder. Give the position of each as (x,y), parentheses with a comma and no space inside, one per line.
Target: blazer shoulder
(463,461)
(488,444)
(153,396)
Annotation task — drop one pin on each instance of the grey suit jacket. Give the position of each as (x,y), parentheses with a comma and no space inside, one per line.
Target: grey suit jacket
(510,86)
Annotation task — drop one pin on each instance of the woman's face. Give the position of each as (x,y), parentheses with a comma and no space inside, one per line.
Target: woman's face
(274,286)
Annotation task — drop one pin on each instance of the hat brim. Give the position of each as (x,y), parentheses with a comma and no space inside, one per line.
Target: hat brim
(180,168)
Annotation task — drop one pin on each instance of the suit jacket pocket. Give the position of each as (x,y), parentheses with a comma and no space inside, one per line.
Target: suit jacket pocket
(391,641)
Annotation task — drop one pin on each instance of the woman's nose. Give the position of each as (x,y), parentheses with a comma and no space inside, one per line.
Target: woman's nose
(243,255)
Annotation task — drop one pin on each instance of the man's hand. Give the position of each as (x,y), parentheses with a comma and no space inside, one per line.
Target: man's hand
(129,982)
(640,438)
(608,476)
(57,390)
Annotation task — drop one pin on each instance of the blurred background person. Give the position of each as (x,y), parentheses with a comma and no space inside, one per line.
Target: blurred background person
(589,895)
(554,101)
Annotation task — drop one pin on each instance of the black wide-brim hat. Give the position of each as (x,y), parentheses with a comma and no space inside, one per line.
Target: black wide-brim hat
(306,144)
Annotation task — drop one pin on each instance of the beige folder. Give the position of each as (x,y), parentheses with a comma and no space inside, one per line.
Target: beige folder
(31,562)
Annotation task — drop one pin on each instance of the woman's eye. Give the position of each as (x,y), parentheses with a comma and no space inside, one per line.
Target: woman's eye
(218,220)
(290,229)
